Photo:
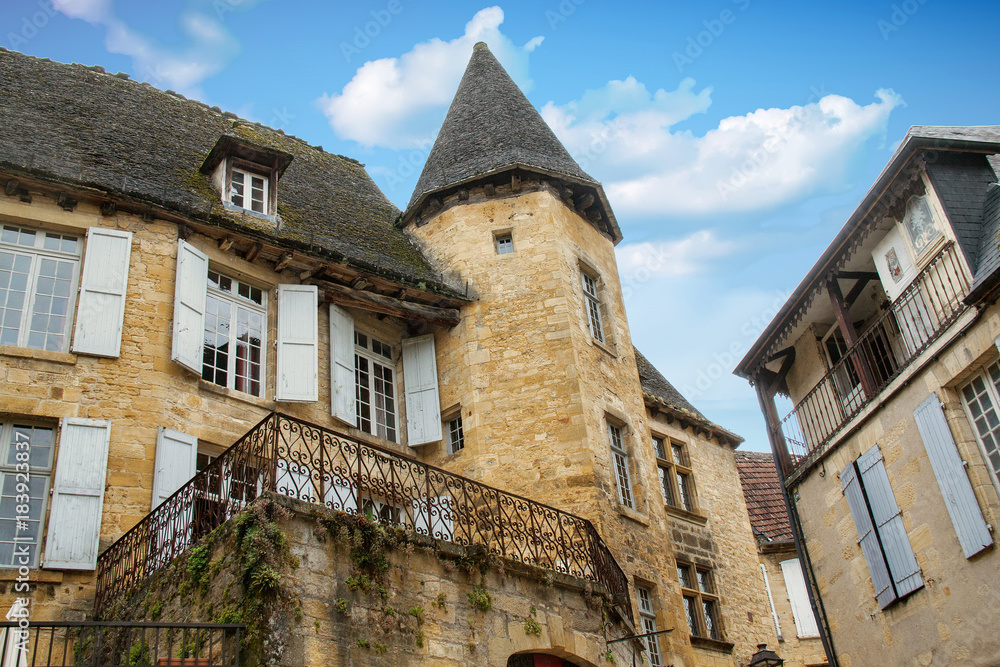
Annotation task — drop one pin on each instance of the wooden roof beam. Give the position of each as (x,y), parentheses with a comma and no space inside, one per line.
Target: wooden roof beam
(387,305)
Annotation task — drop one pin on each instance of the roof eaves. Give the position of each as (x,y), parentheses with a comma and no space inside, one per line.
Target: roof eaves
(682,414)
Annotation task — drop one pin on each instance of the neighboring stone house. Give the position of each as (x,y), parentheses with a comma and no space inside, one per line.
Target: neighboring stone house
(172,277)
(887,351)
(794,622)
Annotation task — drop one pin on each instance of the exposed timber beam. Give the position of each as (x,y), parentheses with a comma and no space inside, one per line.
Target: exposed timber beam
(378,303)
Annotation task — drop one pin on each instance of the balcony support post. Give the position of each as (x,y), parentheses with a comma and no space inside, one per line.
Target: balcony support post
(850,336)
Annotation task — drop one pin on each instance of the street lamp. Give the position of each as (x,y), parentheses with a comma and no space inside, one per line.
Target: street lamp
(765,657)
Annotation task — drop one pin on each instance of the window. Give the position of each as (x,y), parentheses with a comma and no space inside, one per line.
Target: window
(235,316)
(374,376)
(38,274)
(248,190)
(592,300)
(701,604)
(383,512)
(456,437)
(23,488)
(675,474)
(981,398)
(504,243)
(648,619)
(620,461)
(881,534)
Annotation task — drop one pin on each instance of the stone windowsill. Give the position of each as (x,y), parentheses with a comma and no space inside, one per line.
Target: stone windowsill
(712,644)
(693,517)
(632,514)
(39,355)
(604,346)
(205,385)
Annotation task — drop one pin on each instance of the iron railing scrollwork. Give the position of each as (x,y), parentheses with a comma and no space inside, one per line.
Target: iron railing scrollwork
(922,312)
(312,463)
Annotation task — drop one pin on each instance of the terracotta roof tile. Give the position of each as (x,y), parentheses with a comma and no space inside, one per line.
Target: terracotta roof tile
(762,492)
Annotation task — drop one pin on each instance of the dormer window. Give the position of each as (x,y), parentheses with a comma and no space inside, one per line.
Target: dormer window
(248,190)
(246,176)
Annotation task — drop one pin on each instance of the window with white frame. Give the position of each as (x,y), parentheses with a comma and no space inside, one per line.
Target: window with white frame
(38,279)
(374,375)
(619,457)
(647,616)
(675,474)
(981,397)
(26,466)
(235,325)
(456,436)
(504,243)
(592,300)
(701,603)
(248,190)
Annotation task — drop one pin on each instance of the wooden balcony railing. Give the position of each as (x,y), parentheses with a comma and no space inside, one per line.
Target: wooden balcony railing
(315,464)
(925,309)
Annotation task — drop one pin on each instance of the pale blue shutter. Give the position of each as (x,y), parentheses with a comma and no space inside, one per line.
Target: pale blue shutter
(101,311)
(343,392)
(298,343)
(78,495)
(176,463)
(423,407)
(190,291)
(949,469)
(885,513)
(884,591)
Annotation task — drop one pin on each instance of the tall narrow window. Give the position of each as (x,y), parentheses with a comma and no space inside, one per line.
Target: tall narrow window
(374,373)
(456,437)
(235,316)
(248,190)
(701,603)
(592,297)
(620,459)
(675,474)
(981,398)
(647,616)
(38,275)
(22,503)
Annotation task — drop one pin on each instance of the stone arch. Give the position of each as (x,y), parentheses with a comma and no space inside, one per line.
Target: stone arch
(552,658)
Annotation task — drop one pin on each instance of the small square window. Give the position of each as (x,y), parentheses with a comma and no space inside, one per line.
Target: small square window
(504,243)
(456,436)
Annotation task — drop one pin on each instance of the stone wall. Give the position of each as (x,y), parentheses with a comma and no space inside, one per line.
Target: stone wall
(800,652)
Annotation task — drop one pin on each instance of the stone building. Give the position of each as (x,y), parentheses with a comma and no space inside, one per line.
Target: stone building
(887,356)
(235,363)
(794,621)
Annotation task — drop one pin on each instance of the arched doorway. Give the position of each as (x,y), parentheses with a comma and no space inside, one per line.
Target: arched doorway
(539,660)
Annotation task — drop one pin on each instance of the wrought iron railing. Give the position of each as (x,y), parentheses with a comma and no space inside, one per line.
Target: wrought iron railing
(109,644)
(315,464)
(928,306)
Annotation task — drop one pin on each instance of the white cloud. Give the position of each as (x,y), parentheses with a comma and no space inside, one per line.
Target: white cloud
(209,47)
(671,258)
(768,157)
(400,102)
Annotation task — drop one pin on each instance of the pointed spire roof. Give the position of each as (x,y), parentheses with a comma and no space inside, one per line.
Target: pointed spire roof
(491,127)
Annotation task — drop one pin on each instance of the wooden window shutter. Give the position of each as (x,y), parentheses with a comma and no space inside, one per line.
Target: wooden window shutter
(949,469)
(889,523)
(798,596)
(298,343)
(78,495)
(423,408)
(343,392)
(101,312)
(885,593)
(189,307)
(176,463)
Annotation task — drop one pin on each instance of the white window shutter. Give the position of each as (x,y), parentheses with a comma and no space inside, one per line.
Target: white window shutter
(423,406)
(885,513)
(176,463)
(435,517)
(884,591)
(298,343)
(343,392)
(798,596)
(190,291)
(100,314)
(959,498)
(78,495)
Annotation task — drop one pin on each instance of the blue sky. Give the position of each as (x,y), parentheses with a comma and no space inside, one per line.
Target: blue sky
(733,137)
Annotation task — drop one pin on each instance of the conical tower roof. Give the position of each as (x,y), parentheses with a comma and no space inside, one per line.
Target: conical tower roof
(491,127)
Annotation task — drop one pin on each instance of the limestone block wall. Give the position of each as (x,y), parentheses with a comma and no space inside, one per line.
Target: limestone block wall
(946,622)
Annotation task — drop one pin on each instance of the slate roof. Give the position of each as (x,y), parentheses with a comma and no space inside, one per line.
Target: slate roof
(762,491)
(83,127)
(960,180)
(492,127)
